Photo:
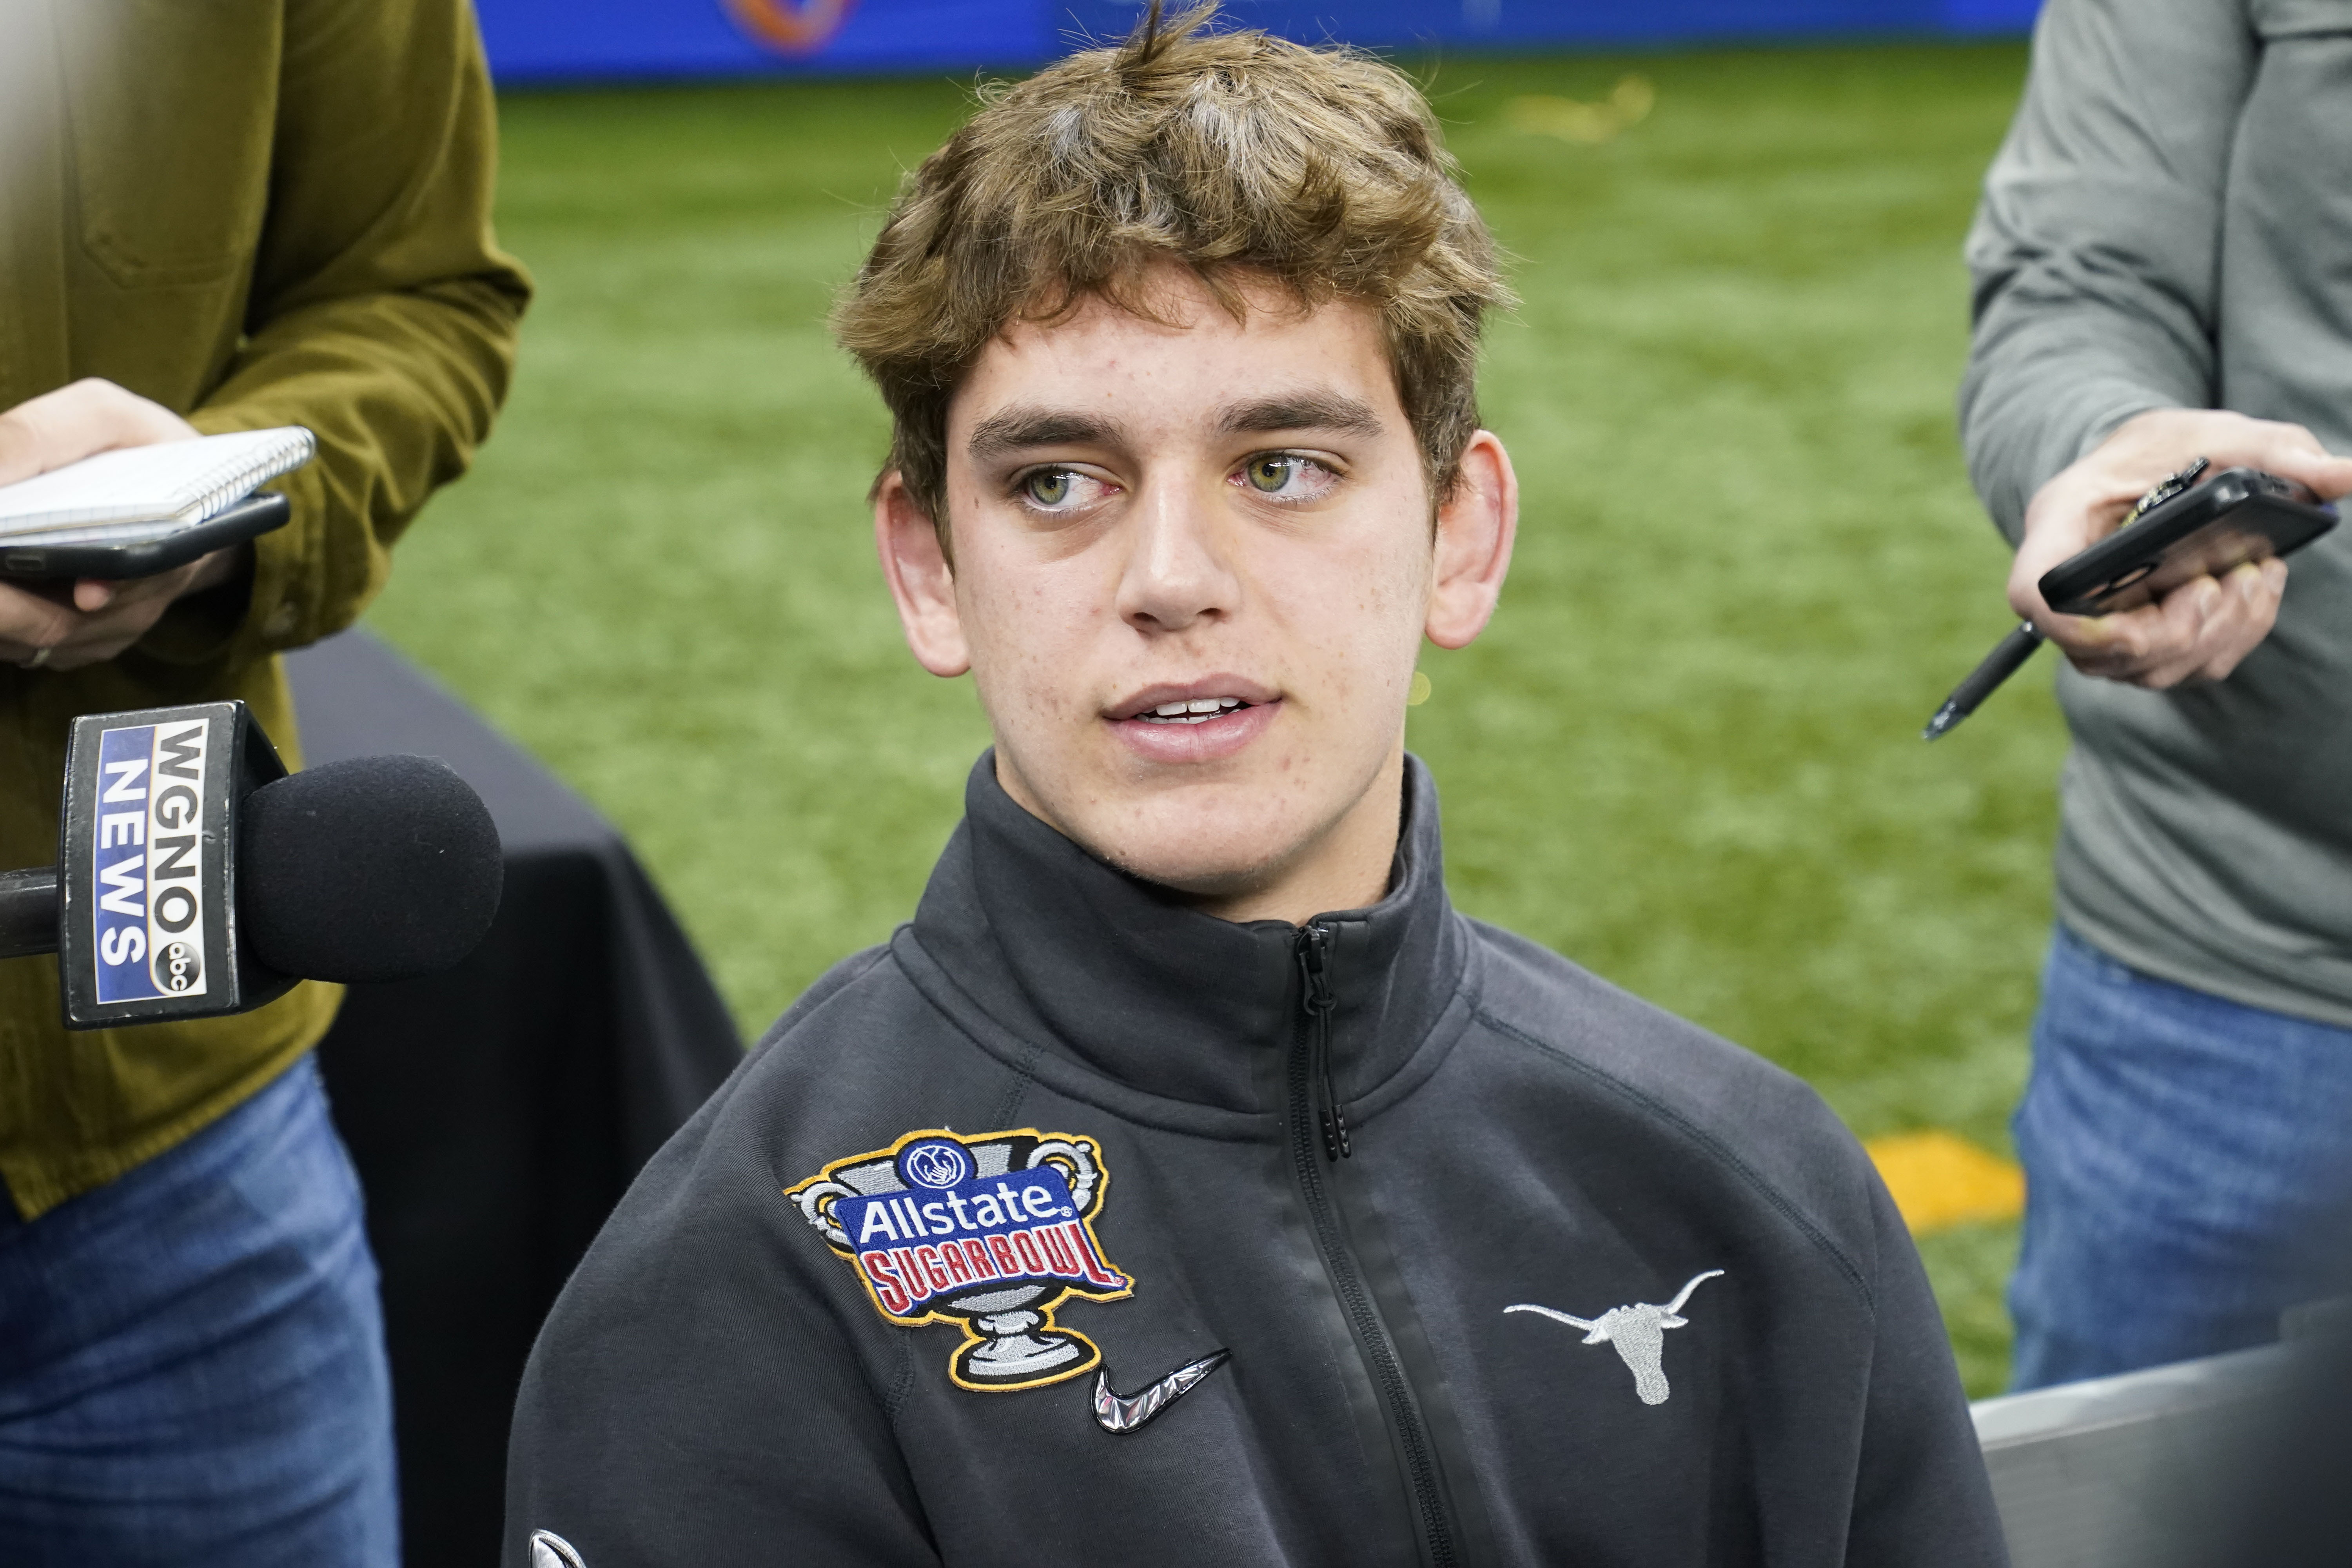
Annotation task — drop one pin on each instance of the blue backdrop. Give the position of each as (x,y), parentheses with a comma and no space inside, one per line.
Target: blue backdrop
(586,40)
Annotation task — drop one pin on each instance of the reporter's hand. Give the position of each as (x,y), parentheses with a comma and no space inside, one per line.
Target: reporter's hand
(65,627)
(2201,629)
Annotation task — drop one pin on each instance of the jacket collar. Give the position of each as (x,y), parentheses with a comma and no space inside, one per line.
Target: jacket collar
(1118,977)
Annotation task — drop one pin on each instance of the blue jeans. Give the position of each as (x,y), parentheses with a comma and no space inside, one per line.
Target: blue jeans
(2185,1162)
(192,1365)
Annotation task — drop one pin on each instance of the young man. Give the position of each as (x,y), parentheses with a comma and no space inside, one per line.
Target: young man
(1189,1183)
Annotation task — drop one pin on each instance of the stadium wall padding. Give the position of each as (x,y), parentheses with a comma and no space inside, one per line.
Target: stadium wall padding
(550,41)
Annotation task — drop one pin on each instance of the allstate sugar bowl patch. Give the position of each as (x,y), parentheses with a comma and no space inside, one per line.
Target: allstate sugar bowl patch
(988,1231)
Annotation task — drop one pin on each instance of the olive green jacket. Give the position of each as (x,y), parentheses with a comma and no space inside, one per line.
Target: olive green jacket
(258,212)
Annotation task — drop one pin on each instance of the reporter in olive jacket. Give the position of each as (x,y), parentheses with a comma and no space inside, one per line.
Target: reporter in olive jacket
(215,218)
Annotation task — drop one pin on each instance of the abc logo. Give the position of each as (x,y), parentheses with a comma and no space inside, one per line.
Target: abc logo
(936,1164)
(177,967)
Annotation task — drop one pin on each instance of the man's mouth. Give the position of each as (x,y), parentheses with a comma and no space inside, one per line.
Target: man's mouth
(1211,718)
(1199,710)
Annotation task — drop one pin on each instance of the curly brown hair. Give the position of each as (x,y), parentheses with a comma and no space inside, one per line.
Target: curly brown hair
(1235,154)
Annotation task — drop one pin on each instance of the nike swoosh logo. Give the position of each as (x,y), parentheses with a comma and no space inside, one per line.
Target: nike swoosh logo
(1114,1413)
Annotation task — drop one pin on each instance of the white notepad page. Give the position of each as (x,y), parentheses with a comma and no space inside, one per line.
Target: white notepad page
(175,482)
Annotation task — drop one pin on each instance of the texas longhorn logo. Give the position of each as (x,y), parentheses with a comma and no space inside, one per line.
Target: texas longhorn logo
(990,1231)
(1639,1332)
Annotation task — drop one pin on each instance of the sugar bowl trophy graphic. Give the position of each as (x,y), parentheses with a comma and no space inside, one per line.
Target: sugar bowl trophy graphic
(990,1231)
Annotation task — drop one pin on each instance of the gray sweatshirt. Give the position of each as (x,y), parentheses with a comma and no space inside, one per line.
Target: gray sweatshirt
(2169,225)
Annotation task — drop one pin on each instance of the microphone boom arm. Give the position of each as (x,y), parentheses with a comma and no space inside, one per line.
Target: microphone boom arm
(28,913)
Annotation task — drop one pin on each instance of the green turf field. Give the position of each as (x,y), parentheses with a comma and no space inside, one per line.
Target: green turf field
(1686,755)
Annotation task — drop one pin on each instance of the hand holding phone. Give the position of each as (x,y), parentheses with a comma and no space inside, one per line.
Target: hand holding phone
(2206,528)
(2203,628)
(2182,583)
(44,625)
(112,508)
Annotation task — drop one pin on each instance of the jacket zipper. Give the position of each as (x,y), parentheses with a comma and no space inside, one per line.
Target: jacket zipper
(1316,1118)
(1314,942)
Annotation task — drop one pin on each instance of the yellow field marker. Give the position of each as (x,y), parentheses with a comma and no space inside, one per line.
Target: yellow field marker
(1541,114)
(1940,1180)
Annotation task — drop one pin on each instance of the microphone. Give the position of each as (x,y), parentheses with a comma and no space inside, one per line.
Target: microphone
(196,878)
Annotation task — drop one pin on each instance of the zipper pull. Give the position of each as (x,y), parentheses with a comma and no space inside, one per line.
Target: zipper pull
(1314,942)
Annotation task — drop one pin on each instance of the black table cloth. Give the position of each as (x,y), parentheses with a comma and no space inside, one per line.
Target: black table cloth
(498,1111)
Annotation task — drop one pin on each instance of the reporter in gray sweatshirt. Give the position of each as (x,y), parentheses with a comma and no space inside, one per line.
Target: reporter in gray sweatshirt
(2163,272)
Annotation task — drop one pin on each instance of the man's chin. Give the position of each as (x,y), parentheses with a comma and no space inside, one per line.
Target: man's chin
(1199,882)
(1209,855)
(1221,841)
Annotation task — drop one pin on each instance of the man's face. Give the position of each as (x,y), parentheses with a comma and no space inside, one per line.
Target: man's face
(1192,566)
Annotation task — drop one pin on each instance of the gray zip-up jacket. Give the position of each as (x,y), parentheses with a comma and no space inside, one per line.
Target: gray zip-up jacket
(2169,225)
(1077,1226)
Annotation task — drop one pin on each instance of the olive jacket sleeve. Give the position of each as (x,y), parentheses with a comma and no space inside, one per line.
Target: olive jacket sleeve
(381,313)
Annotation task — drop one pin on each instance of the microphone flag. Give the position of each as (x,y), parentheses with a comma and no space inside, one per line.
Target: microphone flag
(147,863)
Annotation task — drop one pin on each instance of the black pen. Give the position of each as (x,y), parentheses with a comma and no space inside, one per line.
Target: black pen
(2005,660)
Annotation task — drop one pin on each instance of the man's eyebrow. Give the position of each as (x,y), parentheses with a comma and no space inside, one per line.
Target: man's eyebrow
(1018,429)
(1302,411)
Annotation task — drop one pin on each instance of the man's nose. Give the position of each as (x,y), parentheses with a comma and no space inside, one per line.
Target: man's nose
(1177,572)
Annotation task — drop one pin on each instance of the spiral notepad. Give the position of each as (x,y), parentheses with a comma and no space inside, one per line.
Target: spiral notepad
(144,490)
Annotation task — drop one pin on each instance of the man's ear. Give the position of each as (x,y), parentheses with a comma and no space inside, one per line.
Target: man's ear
(1476,526)
(922,584)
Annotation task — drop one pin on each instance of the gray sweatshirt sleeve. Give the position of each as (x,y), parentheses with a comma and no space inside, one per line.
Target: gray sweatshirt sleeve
(2097,249)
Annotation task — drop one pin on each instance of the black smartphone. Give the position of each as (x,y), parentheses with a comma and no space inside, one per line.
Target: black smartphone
(52,556)
(2238,515)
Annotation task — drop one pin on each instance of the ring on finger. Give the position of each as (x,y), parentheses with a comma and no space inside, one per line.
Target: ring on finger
(40,657)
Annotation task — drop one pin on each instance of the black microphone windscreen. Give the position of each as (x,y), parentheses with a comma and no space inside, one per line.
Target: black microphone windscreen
(368,869)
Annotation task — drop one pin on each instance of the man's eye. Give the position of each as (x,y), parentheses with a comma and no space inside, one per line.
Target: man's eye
(1285,475)
(1060,489)
(1051,487)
